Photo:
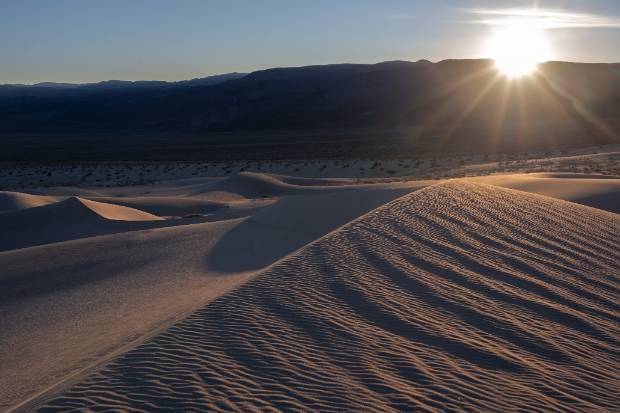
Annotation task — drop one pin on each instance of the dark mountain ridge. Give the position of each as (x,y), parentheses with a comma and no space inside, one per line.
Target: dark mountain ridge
(452,105)
(120,84)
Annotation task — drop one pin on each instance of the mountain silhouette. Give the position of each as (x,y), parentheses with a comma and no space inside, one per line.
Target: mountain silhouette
(452,105)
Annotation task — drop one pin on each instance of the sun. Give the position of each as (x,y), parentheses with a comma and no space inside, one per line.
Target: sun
(518,46)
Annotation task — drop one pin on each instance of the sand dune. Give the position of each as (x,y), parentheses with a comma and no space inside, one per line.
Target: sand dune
(598,191)
(11,201)
(167,206)
(69,305)
(257,185)
(297,180)
(72,218)
(113,212)
(295,221)
(571,175)
(65,306)
(458,297)
(66,191)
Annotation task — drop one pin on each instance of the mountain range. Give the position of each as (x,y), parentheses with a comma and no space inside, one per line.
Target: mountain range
(448,106)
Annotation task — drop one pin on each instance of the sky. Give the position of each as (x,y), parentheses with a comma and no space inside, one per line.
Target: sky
(91,40)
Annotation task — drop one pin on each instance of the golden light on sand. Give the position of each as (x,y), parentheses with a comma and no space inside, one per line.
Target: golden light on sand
(518,46)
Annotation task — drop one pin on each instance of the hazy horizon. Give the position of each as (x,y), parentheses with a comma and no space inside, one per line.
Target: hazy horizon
(267,68)
(67,41)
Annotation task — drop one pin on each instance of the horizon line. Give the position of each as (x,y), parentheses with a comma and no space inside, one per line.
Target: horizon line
(79,84)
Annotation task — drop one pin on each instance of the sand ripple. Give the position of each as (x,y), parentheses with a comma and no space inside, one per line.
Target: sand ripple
(459,297)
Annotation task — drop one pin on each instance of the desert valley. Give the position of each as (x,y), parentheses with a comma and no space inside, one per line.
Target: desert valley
(433,227)
(249,291)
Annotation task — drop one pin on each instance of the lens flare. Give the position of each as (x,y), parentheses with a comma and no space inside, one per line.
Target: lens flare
(518,46)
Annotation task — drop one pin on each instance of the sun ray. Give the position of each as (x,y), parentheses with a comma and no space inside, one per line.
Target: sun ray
(582,110)
(437,120)
(501,114)
(518,46)
(472,106)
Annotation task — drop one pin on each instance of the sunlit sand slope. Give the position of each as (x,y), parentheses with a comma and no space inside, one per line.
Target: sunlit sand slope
(12,201)
(72,218)
(597,191)
(459,297)
(67,306)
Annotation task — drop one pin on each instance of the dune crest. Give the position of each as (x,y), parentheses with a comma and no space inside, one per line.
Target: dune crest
(254,185)
(461,296)
(70,219)
(597,191)
(570,175)
(113,212)
(121,287)
(12,201)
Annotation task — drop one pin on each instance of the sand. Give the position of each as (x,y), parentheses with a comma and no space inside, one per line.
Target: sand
(68,305)
(291,294)
(13,201)
(598,191)
(72,218)
(447,299)
(94,177)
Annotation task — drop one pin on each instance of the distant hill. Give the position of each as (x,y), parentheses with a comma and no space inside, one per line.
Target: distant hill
(16,90)
(452,105)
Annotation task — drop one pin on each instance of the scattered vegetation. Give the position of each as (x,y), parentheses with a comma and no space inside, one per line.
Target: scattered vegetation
(601,160)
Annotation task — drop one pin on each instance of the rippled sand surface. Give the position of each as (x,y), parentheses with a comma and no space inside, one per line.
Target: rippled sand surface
(458,297)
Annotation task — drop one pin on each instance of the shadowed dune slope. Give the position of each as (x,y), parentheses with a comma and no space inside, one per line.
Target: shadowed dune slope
(68,305)
(255,185)
(70,219)
(286,227)
(66,191)
(459,297)
(296,180)
(12,201)
(166,206)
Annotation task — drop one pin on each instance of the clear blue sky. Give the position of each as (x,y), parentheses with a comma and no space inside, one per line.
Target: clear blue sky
(92,40)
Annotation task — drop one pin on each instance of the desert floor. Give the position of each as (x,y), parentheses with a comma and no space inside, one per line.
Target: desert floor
(266,292)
